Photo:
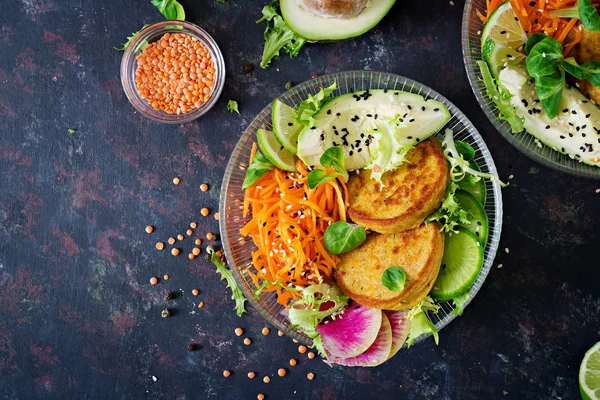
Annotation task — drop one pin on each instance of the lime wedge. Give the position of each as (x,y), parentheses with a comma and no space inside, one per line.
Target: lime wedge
(275,153)
(285,127)
(502,39)
(589,374)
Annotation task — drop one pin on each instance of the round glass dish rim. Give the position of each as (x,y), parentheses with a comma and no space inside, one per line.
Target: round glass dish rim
(129,59)
(493,241)
(469,62)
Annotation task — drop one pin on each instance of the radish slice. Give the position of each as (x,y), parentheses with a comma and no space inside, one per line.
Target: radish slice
(352,332)
(375,355)
(400,328)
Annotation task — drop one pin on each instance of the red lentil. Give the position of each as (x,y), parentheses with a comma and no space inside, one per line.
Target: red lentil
(195,292)
(247,341)
(193,225)
(149,229)
(196,251)
(251,375)
(226,373)
(204,187)
(281,372)
(175,251)
(266,379)
(302,349)
(198,242)
(171,240)
(153,280)
(310,376)
(176,181)
(160,246)
(265,331)
(293,362)
(204,212)
(239,331)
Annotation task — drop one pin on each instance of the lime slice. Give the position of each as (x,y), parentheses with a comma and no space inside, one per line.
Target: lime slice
(461,265)
(502,39)
(478,221)
(589,374)
(477,189)
(285,127)
(275,153)
(504,28)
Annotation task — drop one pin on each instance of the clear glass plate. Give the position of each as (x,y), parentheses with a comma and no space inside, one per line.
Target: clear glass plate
(523,141)
(238,249)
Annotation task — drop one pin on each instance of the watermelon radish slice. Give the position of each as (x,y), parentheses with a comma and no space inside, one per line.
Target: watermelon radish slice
(375,355)
(400,328)
(352,332)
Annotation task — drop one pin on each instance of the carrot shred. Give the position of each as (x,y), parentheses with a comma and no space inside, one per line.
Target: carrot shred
(535,16)
(287,225)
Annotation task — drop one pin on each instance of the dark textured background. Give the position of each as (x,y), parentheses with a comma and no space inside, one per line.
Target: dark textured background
(78,318)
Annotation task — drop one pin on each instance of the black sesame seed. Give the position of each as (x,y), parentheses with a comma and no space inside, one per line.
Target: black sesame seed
(328,112)
(588,115)
(547,126)
(436,109)
(290,124)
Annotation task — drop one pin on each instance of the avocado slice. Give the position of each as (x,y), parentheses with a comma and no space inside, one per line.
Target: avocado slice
(575,131)
(316,28)
(362,122)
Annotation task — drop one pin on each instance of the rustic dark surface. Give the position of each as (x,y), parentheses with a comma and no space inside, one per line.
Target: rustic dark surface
(78,317)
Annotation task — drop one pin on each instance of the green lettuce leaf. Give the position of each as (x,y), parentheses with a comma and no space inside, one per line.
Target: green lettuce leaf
(232,106)
(420,324)
(311,105)
(450,214)
(130,38)
(236,293)
(501,97)
(277,37)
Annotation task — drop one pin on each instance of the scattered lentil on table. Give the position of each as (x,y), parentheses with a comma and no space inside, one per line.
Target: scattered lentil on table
(204,212)
(198,242)
(266,379)
(160,246)
(195,292)
(265,331)
(193,225)
(176,181)
(180,237)
(171,240)
(165,313)
(226,373)
(191,256)
(310,376)
(239,331)
(149,229)
(281,372)
(293,362)
(251,375)
(196,251)
(175,251)
(247,341)
(302,349)
(175,74)
(153,280)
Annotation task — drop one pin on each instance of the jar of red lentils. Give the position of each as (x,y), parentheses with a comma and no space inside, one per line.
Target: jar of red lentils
(173,72)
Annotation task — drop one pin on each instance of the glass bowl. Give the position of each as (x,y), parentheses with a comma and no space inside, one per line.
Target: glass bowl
(151,34)
(238,249)
(523,141)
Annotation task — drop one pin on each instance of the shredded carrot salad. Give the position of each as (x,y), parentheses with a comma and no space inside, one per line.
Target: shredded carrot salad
(534,16)
(288,223)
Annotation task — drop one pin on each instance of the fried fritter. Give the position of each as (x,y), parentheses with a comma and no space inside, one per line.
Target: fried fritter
(410,193)
(587,49)
(417,251)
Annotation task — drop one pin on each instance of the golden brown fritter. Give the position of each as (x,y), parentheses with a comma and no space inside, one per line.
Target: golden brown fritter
(418,252)
(587,49)
(410,193)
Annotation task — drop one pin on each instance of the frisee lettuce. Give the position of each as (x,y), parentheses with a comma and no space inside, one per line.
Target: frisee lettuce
(305,313)
(501,97)
(236,293)
(419,323)
(450,214)
(459,303)
(277,37)
(307,109)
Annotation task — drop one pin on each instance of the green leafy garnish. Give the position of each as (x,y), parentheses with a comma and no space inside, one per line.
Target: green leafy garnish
(420,324)
(584,11)
(465,149)
(260,166)
(387,153)
(459,167)
(310,106)
(232,106)
(72,130)
(306,312)
(459,303)
(501,97)
(341,237)
(171,9)
(236,293)
(130,38)
(278,36)
(450,214)
(332,158)
(394,279)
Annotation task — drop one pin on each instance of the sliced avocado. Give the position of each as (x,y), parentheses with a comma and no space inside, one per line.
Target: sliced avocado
(575,131)
(355,120)
(315,28)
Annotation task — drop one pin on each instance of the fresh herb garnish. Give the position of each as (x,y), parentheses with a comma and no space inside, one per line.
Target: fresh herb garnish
(311,105)
(278,36)
(501,97)
(547,65)
(232,106)
(306,313)
(260,166)
(465,149)
(584,11)
(341,237)
(332,158)
(419,323)
(394,279)
(450,214)
(459,303)
(236,293)
(171,9)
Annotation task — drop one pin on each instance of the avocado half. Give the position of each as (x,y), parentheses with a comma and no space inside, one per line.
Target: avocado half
(316,28)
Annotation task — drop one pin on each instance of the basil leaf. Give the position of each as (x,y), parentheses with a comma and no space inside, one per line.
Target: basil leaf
(589,15)
(533,40)
(544,58)
(571,66)
(465,149)
(334,158)
(592,72)
(550,90)
(171,9)
(341,237)
(394,279)
(260,166)
(319,176)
